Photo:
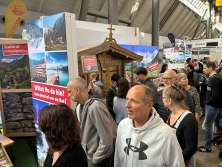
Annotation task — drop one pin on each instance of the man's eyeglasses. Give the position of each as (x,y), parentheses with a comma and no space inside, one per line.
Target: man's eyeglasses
(176,86)
(167,78)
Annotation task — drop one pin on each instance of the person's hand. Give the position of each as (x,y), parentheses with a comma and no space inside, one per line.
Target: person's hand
(197,116)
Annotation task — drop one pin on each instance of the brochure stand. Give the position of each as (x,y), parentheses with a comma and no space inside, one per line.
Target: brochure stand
(4,158)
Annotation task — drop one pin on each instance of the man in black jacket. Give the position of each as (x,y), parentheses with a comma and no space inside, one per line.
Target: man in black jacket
(143,78)
(111,93)
(170,77)
(192,76)
(213,105)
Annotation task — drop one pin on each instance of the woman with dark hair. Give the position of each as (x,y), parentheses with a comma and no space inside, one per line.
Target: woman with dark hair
(164,68)
(62,133)
(181,121)
(119,100)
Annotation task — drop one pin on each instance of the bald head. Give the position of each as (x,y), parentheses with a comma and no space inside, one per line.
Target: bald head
(169,77)
(143,92)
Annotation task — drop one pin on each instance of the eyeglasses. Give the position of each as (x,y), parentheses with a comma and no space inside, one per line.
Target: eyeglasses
(176,86)
(164,97)
(167,78)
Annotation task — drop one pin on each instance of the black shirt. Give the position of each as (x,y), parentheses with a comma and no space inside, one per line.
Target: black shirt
(187,136)
(71,157)
(214,91)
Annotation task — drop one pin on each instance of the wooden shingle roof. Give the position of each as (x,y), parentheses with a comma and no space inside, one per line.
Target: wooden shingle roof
(113,49)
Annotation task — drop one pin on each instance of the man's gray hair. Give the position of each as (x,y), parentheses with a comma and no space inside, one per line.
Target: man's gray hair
(148,95)
(80,82)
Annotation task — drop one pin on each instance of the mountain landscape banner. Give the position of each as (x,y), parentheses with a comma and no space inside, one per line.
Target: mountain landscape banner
(14,67)
(150,59)
(49,72)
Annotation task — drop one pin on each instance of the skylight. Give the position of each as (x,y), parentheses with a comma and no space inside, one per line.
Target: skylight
(199,7)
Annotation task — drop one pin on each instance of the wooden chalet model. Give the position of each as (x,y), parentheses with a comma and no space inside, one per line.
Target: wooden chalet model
(111,59)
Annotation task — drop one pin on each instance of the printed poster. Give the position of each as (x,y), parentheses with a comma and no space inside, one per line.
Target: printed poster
(14,66)
(150,59)
(176,57)
(48,68)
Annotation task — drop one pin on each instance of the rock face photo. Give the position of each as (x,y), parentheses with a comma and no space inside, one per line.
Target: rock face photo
(19,112)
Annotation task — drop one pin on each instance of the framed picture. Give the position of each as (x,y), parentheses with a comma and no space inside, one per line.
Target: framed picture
(89,63)
(4,158)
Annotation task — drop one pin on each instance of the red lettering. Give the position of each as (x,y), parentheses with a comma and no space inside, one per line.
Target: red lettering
(14,27)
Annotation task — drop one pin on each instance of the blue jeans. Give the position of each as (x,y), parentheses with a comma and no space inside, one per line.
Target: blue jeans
(212,115)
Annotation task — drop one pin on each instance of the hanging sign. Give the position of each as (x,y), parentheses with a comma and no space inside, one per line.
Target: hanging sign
(171,38)
(14,14)
(89,63)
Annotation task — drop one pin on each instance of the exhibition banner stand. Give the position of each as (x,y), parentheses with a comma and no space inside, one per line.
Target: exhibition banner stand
(15,97)
(150,60)
(176,56)
(53,61)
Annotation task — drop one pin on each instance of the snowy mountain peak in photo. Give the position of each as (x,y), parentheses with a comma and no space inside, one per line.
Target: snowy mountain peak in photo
(6,60)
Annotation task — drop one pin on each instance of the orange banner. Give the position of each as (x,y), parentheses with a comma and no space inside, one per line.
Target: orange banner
(218,3)
(14,14)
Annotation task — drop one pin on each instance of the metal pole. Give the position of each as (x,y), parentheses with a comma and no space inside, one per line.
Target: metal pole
(134,11)
(208,21)
(155,22)
(84,10)
(112,12)
(213,25)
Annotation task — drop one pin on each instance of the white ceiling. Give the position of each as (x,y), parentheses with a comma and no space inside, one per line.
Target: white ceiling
(182,20)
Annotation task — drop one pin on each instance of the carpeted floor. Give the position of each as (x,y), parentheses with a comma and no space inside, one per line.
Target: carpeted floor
(23,154)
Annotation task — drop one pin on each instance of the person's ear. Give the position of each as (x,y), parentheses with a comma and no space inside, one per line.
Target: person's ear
(77,89)
(176,78)
(169,100)
(151,104)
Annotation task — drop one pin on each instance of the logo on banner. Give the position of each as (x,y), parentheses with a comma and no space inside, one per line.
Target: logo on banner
(171,38)
(14,14)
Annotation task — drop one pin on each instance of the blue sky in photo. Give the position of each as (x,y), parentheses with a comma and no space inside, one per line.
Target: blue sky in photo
(128,47)
(54,59)
(37,22)
(37,56)
(145,49)
(50,21)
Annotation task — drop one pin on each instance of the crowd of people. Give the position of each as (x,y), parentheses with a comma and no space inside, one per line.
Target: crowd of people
(135,126)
